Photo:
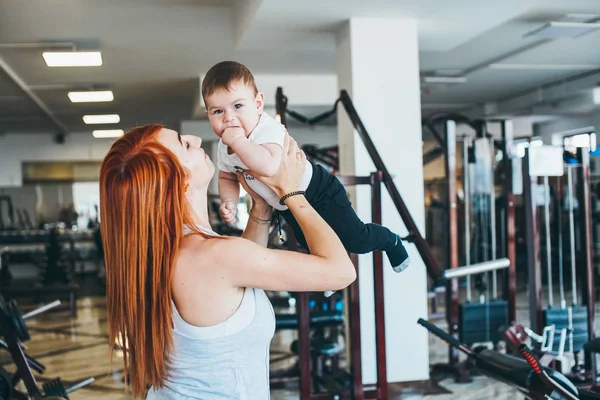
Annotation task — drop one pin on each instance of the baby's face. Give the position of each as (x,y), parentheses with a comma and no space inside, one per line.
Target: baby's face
(236,107)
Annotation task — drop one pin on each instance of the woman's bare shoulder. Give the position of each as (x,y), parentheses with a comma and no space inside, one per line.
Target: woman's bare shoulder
(197,247)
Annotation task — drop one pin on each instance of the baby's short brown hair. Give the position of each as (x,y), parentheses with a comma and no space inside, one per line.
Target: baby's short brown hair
(223,74)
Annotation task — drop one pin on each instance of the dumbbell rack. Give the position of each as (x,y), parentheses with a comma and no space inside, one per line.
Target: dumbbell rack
(56,271)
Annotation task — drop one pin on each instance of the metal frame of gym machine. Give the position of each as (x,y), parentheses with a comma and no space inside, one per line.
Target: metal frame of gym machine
(414,236)
(357,390)
(447,148)
(585,267)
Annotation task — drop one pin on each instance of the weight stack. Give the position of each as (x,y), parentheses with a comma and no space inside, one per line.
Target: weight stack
(482,322)
(559,317)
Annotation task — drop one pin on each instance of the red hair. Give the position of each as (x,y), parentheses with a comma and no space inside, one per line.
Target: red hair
(143,211)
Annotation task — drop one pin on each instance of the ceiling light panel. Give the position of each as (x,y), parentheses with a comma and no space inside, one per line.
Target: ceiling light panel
(72,58)
(91,96)
(102,119)
(555,67)
(107,133)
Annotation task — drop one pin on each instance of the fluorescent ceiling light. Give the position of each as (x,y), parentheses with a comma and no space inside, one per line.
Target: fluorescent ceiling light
(102,119)
(445,79)
(596,95)
(107,133)
(72,58)
(91,97)
(555,29)
(557,67)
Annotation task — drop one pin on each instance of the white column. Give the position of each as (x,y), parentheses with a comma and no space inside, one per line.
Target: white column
(378,64)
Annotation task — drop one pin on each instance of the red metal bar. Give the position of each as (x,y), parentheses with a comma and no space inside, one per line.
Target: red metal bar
(510,251)
(354,323)
(452,260)
(586,256)
(382,383)
(433,269)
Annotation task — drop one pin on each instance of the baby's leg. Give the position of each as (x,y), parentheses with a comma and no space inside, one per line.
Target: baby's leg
(359,237)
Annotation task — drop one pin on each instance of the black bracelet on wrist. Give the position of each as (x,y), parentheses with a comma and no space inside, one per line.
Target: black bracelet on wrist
(285,197)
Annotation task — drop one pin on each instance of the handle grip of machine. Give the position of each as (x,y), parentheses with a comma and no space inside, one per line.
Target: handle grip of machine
(544,377)
(451,340)
(530,358)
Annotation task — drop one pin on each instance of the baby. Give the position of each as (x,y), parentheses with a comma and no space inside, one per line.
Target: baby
(252,141)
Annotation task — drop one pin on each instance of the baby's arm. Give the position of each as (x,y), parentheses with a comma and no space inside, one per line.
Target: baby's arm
(261,159)
(229,191)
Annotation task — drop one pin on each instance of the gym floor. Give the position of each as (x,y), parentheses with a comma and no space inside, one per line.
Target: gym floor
(76,349)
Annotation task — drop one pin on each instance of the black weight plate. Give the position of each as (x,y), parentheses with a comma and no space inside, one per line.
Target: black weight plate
(5,385)
(18,322)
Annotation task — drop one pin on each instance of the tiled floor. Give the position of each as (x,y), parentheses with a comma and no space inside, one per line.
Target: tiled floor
(77,349)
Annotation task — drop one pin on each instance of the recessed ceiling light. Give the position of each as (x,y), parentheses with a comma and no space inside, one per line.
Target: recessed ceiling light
(445,79)
(557,67)
(102,119)
(91,96)
(107,133)
(557,29)
(72,58)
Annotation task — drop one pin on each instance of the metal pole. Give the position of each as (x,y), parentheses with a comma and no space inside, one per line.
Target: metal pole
(493,220)
(548,250)
(452,285)
(586,261)
(478,268)
(558,213)
(533,247)
(382,383)
(467,196)
(509,222)
(41,309)
(573,254)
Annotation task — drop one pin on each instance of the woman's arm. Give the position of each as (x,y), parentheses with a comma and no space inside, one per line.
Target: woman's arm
(246,264)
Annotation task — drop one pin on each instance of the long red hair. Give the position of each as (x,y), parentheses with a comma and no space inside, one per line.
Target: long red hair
(143,211)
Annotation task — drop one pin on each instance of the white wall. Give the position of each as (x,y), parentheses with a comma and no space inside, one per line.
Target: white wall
(16,148)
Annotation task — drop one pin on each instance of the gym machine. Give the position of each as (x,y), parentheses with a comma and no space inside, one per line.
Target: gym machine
(331,382)
(565,324)
(477,322)
(523,373)
(414,236)
(13,331)
(380,391)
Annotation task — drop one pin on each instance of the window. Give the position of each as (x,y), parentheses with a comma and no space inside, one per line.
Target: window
(520,146)
(571,143)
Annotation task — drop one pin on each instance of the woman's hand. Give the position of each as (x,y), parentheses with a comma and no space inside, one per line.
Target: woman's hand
(289,175)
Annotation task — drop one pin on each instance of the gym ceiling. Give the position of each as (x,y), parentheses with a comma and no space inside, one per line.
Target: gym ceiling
(508,58)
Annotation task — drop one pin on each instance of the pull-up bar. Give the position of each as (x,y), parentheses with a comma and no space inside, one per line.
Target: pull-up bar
(478,268)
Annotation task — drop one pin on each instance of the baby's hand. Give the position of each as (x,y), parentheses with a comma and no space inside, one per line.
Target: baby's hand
(228,211)
(230,135)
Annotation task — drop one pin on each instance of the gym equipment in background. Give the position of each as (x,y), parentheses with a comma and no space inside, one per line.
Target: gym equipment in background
(574,323)
(12,322)
(522,373)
